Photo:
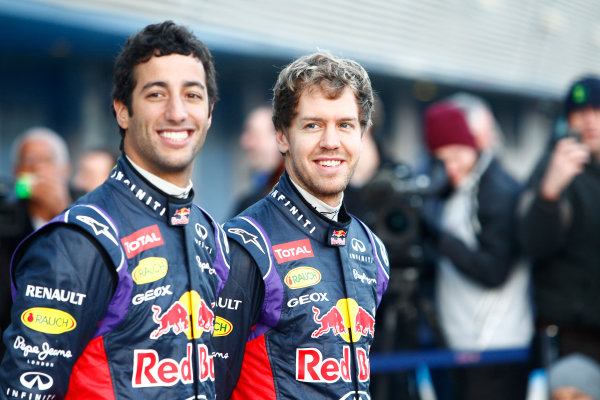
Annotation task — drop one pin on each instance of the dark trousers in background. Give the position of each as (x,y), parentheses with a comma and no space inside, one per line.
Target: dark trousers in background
(492,382)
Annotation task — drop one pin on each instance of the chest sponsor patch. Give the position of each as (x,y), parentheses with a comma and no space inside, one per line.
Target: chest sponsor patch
(222,327)
(144,239)
(302,277)
(149,270)
(291,251)
(48,320)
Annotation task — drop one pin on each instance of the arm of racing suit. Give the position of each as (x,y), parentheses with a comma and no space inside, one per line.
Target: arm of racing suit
(64,282)
(240,303)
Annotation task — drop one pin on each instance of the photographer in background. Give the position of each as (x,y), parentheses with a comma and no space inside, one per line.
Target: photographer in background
(41,169)
(481,296)
(560,227)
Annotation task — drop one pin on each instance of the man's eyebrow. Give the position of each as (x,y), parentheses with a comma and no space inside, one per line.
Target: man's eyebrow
(164,84)
(309,118)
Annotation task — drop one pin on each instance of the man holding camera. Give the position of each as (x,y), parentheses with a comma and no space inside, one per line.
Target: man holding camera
(560,227)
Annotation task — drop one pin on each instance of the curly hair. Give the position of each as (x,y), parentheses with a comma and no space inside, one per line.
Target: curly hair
(331,75)
(158,40)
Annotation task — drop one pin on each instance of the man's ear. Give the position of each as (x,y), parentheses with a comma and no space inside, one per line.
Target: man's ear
(282,142)
(122,113)
(210,114)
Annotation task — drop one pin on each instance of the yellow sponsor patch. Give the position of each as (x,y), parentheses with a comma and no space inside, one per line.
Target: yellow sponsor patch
(149,270)
(48,320)
(302,277)
(222,327)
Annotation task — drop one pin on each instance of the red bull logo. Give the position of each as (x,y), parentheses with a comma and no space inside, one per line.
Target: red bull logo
(346,319)
(190,315)
(311,366)
(338,238)
(150,371)
(181,216)
(339,233)
(332,321)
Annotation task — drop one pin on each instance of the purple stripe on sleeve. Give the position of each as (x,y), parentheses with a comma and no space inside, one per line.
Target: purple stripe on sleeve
(273,302)
(220,264)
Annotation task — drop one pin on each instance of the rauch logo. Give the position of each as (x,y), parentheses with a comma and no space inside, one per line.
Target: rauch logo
(302,277)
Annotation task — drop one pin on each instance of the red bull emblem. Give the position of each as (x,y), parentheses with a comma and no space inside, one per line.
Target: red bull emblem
(151,371)
(332,321)
(338,237)
(181,216)
(190,315)
(344,319)
(312,366)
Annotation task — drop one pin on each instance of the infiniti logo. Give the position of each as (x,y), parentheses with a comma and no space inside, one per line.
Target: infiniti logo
(201,231)
(31,379)
(357,245)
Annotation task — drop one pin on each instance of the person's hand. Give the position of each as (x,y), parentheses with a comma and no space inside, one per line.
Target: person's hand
(568,160)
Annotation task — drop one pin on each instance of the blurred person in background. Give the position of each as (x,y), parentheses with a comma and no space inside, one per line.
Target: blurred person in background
(260,147)
(480,119)
(559,227)
(41,169)
(93,168)
(481,295)
(574,377)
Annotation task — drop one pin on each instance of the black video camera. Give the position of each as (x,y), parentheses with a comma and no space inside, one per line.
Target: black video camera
(397,195)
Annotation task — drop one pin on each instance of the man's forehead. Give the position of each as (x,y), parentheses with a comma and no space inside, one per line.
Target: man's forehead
(170,69)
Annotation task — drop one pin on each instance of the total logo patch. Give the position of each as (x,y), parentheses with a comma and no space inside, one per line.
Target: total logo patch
(149,270)
(222,327)
(144,239)
(340,318)
(48,320)
(302,277)
(290,251)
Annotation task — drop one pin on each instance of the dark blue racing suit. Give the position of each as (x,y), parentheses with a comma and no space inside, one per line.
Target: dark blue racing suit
(302,292)
(114,298)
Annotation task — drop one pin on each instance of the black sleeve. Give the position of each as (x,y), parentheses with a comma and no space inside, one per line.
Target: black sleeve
(541,226)
(488,264)
(64,283)
(240,304)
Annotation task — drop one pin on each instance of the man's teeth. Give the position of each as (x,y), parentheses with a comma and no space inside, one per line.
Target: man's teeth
(330,163)
(177,136)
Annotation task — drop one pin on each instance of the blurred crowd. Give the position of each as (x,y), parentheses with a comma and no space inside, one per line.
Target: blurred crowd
(502,264)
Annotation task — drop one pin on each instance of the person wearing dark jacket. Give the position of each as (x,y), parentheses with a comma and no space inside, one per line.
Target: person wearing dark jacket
(559,227)
(481,290)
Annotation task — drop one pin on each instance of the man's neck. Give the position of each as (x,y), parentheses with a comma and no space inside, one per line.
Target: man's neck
(165,186)
(318,204)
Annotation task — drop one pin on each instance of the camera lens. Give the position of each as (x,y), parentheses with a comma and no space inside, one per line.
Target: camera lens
(397,222)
